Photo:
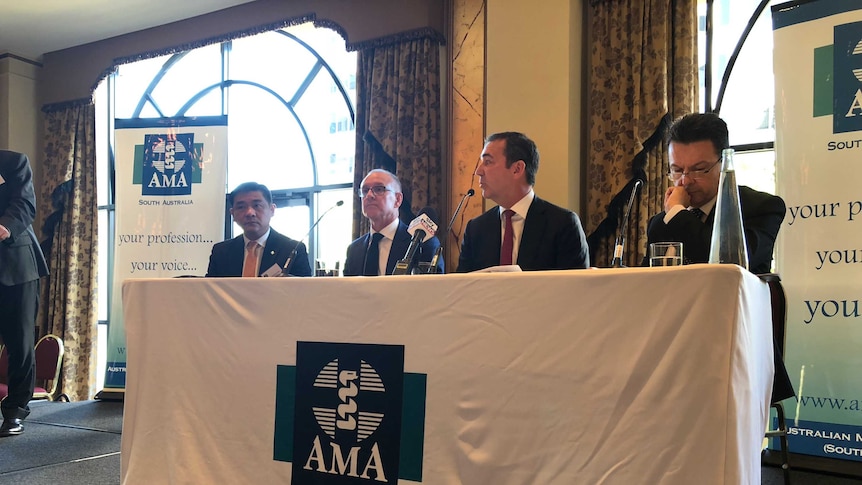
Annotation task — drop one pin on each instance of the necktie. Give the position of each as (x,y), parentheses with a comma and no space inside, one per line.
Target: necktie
(697,212)
(249,267)
(508,239)
(372,256)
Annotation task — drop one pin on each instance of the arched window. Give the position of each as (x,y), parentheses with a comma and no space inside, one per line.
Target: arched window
(289,98)
(735,54)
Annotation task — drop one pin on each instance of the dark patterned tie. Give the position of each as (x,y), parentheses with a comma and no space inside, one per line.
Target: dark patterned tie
(508,239)
(697,213)
(372,256)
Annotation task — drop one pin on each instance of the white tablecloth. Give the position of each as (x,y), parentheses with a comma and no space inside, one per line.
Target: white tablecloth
(623,376)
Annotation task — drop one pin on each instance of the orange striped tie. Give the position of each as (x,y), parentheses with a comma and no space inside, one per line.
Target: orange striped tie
(249,268)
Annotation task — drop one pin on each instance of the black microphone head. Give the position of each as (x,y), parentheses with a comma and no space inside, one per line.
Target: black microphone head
(471,193)
(339,203)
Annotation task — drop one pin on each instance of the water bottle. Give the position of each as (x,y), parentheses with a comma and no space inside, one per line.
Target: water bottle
(728,236)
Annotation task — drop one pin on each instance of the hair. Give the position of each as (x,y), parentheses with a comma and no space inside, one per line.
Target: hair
(696,127)
(250,187)
(519,147)
(395,181)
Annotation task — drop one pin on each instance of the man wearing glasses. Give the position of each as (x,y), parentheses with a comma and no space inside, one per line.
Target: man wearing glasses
(376,252)
(695,142)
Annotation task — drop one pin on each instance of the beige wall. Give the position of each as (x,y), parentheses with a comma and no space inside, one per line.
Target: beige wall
(19,108)
(533,85)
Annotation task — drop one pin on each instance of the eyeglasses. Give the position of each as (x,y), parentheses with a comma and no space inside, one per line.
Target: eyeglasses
(675,175)
(378,190)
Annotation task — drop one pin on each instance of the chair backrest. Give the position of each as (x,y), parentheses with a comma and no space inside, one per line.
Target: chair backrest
(49,356)
(4,364)
(779,308)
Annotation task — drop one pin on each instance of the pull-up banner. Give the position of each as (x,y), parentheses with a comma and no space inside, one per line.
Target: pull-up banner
(170,209)
(818,114)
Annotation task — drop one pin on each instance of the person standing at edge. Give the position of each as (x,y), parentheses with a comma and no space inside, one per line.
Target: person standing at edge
(259,248)
(523,229)
(21,265)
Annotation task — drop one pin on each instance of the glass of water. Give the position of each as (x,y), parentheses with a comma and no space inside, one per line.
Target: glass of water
(665,254)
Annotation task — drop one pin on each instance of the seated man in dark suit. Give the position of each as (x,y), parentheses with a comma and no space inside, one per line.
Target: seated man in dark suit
(260,249)
(523,229)
(695,142)
(377,252)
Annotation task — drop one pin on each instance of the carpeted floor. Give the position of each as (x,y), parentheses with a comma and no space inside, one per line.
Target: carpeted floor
(71,443)
(79,444)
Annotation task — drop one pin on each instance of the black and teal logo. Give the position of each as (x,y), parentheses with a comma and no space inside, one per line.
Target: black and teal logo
(166,164)
(348,414)
(838,79)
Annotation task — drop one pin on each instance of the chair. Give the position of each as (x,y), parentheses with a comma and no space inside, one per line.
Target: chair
(4,370)
(779,324)
(49,357)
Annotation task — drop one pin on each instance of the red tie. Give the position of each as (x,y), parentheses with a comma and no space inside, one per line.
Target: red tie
(249,267)
(508,239)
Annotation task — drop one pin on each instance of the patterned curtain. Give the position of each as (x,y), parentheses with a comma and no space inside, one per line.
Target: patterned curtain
(398,122)
(642,75)
(68,218)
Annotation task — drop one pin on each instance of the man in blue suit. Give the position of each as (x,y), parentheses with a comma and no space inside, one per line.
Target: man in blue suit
(260,249)
(523,229)
(377,252)
(21,266)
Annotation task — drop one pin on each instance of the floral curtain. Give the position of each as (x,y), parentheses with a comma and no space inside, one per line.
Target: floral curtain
(642,75)
(68,215)
(398,121)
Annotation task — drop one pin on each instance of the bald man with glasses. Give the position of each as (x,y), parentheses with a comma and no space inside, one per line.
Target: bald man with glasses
(695,142)
(376,252)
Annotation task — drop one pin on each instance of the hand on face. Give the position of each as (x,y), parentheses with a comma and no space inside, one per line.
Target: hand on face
(689,159)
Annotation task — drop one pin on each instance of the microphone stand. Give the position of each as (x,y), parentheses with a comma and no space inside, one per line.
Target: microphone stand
(284,271)
(620,243)
(439,252)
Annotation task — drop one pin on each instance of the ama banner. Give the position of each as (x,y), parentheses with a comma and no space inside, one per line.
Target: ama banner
(818,111)
(170,209)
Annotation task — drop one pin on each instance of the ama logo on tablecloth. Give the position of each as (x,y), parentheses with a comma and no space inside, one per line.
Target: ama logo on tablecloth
(166,164)
(838,79)
(349,414)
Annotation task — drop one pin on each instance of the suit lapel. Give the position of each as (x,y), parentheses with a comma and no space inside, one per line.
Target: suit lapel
(236,256)
(531,238)
(399,247)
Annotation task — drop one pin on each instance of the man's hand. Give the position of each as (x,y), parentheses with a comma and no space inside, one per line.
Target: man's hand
(676,195)
(4,233)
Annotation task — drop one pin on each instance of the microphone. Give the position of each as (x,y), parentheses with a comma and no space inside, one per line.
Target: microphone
(619,244)
(469,193)
(422,229)
(292,255)
(439,252)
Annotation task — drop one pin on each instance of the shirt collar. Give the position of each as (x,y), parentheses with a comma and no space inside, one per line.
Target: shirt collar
(390,230)
(261,241)
(522,206)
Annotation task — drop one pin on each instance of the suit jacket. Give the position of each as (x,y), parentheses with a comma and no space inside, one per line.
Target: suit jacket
(354,265)
(227,256)
(762,215)
(21,258)
(552,239)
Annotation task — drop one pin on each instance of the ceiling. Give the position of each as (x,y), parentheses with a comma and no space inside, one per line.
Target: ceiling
(31,29)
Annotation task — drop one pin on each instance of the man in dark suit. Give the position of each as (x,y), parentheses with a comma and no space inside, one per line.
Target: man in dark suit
(695,143)
(377,252)
(523,229)
(260,250)
(21,266)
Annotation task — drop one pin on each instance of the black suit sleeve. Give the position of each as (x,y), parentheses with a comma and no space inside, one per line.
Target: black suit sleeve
(573,251)
(467,260)
(18,197)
